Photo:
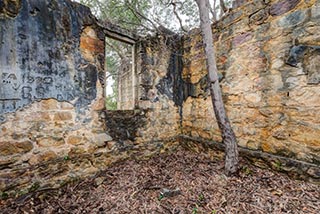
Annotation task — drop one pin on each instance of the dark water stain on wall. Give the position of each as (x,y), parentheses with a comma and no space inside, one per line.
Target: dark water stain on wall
(308,57)
(172,85)
(40,56)
(123,125)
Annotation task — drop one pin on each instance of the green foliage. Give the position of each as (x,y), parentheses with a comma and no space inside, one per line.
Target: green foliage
(144,15)
(161,196)
(277,165)
(4,195)
(195,210)
(120,12)
(201,197)
(111,103)
(246,170)
(34,187)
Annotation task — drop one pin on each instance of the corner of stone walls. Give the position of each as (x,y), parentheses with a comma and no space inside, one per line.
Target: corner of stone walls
(269,79)
(267,57)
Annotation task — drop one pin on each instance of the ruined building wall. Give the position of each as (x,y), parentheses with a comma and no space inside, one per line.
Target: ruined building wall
(53,127)
(53,123)
(268,56)
(154,125)
(158,67)
(50,98)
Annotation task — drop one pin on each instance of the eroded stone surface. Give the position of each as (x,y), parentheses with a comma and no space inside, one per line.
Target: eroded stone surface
(283,6)
(11,148)
(9,8)
(269,77)
(308,58)
(41,68)
(48,64)
(271,80)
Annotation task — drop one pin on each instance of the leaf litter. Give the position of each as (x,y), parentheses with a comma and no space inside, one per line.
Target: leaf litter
(182,182)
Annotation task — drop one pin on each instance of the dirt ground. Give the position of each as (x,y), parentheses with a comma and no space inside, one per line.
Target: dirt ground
(183,182)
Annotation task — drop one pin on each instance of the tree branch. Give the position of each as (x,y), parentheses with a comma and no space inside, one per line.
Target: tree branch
(117,50)
(177,16)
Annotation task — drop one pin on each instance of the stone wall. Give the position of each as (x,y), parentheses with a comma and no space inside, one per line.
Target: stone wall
(158,74)
(53,123)
(268,58)
(51,53)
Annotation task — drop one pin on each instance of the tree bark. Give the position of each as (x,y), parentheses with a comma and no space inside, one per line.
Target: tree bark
(228,136)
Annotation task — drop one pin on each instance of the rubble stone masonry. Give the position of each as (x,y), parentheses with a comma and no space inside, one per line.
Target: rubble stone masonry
(53,123)
(268,56)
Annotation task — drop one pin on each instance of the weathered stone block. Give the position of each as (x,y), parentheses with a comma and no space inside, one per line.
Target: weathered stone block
(42,157)
(101,139)
(254,145)
(315,13)
(24,146)
(231,18)
(62,116)
(253,97)
(238,3)
(90,44)
(7,148)
(293,19)
(10,8)
(50,104)
(38,116)
(314,172)
(99,104)
(254,6)
(50,141)
(66,106)
(74,140)
(309,58)
(312,66)
(76,151)
(11,148)
(283,6)
(259,17)
(241,38)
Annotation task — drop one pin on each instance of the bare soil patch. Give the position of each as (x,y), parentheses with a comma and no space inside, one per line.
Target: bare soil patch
(182,182)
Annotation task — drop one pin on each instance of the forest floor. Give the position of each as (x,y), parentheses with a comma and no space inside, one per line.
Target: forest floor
(183,182)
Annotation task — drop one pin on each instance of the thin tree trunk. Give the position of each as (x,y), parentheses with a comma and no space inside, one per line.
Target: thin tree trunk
(228,136)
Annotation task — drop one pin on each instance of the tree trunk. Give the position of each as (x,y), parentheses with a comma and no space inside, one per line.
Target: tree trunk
(228,136)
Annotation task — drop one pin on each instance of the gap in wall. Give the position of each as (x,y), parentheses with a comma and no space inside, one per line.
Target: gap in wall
(120,75)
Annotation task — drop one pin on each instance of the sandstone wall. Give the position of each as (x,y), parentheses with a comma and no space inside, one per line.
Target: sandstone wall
(50,98)
(268,58)
(53,123)
(159,70)
(53,126)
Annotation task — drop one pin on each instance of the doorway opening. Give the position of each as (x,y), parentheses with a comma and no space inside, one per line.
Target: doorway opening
(120,74)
